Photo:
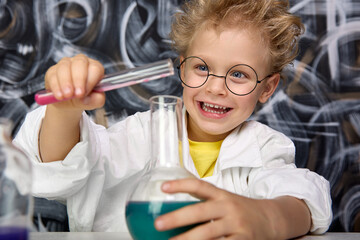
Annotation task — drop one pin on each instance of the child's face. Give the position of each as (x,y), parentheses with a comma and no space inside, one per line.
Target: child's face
(221,51)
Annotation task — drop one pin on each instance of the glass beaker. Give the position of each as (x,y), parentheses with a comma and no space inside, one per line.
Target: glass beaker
(16,203)
(146,201)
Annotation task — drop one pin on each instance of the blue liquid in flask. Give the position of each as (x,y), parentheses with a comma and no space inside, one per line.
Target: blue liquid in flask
(141,215)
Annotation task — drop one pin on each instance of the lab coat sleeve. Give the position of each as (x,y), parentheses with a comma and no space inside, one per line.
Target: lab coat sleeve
(94,178)
(279,177)
(59,179)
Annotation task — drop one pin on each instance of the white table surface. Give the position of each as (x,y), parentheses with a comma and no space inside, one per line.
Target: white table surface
(124,236)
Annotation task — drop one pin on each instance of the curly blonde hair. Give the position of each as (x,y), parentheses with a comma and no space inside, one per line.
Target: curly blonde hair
(279,28)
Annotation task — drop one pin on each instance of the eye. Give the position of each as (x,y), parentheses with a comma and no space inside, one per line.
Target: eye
(202,68)
(237,74)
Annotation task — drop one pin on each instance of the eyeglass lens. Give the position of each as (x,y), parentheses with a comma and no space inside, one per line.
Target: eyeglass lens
(240,79)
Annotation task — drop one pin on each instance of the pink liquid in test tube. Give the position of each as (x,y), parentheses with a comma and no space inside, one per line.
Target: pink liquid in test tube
(125,78)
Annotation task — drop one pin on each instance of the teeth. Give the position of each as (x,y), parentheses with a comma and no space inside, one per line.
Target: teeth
(206,106)
(214,106)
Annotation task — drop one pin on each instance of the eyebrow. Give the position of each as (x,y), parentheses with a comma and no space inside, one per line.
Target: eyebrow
(206,61)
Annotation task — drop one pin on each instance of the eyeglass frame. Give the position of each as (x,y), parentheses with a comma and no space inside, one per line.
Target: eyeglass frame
(219,76)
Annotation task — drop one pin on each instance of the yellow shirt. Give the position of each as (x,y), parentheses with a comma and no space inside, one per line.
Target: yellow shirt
(204,155)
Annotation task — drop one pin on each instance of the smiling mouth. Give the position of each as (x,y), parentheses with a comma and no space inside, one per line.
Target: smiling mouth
(212,108)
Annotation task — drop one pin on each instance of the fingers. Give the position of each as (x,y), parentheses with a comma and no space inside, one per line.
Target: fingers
(79,72)
(193,186)
(204,212)
(95,74)
(64,78)
(216,217)
(209,230)
(91,101)
(51,82)
(196,213)
(74,77)
(222,215)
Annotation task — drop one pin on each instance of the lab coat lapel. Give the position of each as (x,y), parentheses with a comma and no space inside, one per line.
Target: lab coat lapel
(239,149)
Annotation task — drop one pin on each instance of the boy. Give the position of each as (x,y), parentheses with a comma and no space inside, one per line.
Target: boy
(231,54)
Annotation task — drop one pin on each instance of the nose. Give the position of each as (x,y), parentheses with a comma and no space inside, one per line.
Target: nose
(216,84)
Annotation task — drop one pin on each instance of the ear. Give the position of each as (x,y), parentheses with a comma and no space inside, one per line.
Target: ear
(270,87)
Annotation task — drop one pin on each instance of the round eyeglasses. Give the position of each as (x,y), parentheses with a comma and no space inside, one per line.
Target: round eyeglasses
(240,79)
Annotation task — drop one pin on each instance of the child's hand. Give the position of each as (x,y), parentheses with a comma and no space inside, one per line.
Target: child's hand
(232,216)
(224,213)
(74,78)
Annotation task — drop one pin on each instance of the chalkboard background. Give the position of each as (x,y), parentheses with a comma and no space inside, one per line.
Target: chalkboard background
(318,106)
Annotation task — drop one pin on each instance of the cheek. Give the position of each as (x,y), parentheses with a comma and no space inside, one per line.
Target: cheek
(186,97)
(189,93)
(254,97)
(247,103)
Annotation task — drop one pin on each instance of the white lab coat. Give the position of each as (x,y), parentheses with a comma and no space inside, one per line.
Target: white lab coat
(94,179)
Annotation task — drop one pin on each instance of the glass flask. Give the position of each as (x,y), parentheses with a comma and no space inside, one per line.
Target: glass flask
(15,188)
(146,201)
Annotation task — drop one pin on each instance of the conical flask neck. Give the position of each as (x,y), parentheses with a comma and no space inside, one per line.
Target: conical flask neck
(166,126)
